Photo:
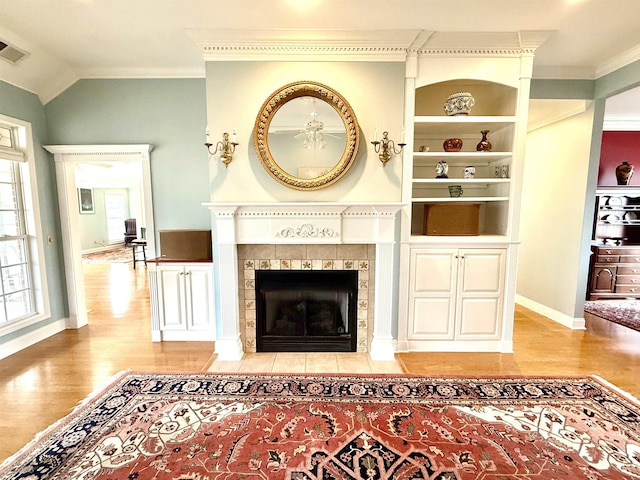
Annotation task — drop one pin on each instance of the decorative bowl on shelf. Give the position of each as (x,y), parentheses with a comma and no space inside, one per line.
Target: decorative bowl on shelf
(452,145)
(459,103)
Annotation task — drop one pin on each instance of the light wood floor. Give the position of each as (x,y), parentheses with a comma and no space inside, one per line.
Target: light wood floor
(43,383)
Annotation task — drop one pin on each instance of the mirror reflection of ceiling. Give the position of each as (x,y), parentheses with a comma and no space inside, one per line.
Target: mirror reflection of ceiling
(295,115)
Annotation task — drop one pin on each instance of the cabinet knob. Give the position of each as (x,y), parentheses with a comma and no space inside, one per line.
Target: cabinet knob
(187,273)
(633,289)
(608,252)
(636,270)
(181,273)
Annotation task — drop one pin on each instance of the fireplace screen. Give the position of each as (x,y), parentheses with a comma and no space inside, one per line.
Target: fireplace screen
(306,311)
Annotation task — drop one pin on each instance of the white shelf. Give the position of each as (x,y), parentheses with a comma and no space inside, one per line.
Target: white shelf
(460,125)
(458,199)
(438,182)
(461,155)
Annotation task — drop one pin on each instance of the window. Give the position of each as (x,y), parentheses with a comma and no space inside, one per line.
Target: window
(22,294)
(15,283)
(114,206)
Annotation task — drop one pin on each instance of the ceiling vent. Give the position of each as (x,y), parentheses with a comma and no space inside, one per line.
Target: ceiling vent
(10,53)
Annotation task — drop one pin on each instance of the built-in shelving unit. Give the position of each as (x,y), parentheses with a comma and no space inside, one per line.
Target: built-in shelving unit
(491,184)
(441,315)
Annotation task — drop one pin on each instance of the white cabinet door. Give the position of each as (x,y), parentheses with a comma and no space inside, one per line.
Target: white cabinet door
(199,288)
(480,293)
(456,294)
(432,278)
(171,296)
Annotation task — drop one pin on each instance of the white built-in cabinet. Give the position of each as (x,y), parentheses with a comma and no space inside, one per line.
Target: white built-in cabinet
(456,294)
(182,301)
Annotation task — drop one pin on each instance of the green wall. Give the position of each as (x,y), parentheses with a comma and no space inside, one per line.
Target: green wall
(169,114)
(25,106)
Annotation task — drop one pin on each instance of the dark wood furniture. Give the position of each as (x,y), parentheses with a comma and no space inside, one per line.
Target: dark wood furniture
(615,272)
(139,246)
(130,231)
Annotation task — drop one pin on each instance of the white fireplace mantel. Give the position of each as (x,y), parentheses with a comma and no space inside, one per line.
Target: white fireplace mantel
(303,223)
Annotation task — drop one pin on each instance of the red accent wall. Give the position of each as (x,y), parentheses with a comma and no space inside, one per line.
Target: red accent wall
(616,148)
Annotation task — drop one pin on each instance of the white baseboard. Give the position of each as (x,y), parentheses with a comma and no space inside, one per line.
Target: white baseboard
(31,338)
(556,316)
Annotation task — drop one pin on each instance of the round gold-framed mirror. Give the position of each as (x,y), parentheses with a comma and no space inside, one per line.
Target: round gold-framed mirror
(306,135)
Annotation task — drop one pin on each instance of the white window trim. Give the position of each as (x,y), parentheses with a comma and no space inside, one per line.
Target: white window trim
(24,141)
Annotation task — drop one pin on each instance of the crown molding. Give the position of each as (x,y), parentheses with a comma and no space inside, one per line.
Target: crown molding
(303,45)
(474,44)
(359,45)
(618,62)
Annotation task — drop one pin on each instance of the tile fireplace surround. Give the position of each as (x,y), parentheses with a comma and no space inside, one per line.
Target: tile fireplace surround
(323,234)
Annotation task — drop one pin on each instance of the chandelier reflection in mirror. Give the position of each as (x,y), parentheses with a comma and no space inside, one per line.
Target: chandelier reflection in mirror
(225,147)
(314,138)
(314,132)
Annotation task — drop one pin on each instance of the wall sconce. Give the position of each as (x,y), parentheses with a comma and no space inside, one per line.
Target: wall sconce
(225,147)
(386,147)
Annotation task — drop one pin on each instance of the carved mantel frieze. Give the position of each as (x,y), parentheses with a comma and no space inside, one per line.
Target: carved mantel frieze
(304,222)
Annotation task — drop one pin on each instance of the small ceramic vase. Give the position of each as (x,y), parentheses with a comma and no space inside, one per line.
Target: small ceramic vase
(623,173)
(484,145)
(441,169)
(452,145)
(469,172)
(459,103)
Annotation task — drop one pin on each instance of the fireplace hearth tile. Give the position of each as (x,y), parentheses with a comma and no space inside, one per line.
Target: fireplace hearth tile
(322,363)
(338,264)
(327,264)
(316,265)
(258,363)
(290,362)
(353,363)
(296,264)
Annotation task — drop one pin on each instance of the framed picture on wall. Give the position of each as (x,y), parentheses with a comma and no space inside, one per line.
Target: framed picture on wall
(85,200)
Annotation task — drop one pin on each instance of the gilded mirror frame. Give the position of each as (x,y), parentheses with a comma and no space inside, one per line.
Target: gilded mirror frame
(276,101)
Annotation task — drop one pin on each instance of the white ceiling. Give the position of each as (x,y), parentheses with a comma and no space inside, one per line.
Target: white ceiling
(72,39)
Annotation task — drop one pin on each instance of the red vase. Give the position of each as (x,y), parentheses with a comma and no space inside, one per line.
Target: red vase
(452,145)
(484,145)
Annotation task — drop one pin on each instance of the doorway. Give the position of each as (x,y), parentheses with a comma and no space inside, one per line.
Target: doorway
(67,158)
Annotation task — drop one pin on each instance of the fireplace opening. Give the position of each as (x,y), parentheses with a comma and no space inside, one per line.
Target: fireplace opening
(306,311)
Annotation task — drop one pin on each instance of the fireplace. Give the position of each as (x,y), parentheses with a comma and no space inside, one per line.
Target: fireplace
(314,225)
(306,311)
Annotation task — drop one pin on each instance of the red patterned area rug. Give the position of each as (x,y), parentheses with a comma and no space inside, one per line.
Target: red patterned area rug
(210,426)
(623,312)
(119,254)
